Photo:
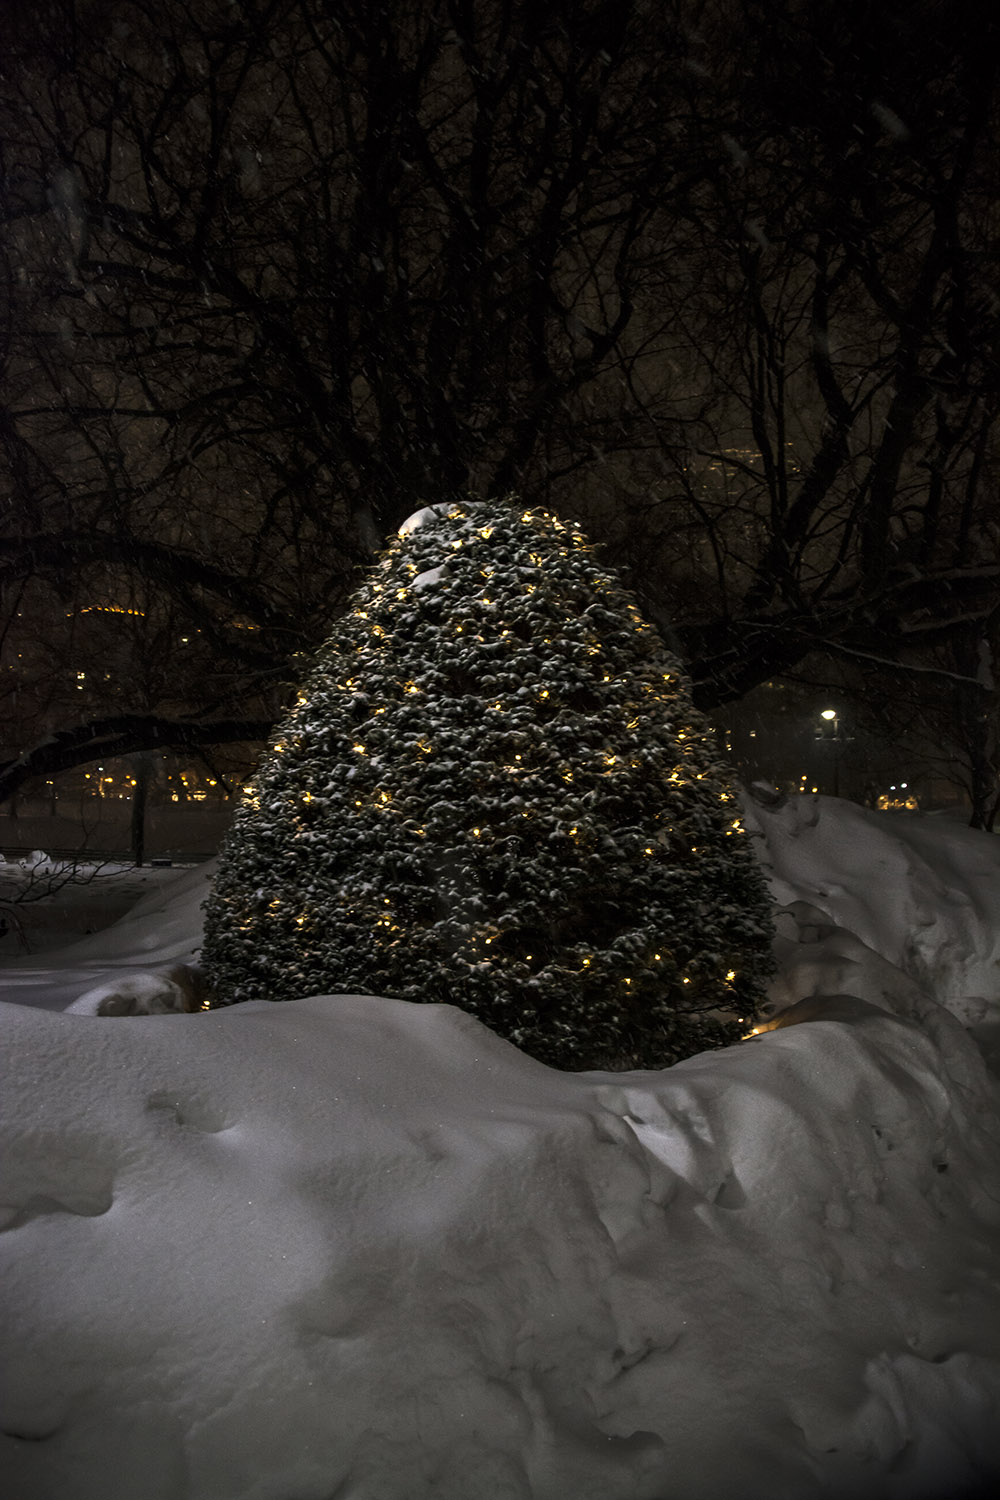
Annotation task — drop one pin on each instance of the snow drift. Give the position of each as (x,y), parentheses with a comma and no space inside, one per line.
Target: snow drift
(362,1248)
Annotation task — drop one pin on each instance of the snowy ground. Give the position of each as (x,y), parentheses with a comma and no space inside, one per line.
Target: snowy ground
(362,1249)
(47,903)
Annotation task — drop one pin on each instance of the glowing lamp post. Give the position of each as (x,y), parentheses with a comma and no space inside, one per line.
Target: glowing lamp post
(832,718)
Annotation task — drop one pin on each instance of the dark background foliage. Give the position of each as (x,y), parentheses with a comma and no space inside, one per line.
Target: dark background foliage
(717,279)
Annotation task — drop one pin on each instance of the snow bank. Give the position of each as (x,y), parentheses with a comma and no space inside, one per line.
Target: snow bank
(360,1248)
(923,893)
(364,1248)
(162,930)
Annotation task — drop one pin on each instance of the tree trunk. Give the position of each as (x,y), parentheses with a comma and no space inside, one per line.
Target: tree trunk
(140,794)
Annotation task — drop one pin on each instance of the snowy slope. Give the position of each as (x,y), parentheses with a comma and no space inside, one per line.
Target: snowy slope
(161,930)
(922,892)
(360,1248)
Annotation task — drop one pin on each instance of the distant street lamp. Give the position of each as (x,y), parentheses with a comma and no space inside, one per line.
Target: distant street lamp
(833,719)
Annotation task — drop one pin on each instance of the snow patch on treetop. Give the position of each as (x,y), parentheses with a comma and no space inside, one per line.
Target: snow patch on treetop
(432,575)
(431,513)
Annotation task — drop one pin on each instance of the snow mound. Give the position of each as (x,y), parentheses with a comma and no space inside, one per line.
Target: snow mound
(358,1247)
(156,993)
(37,860)
(163,929)
(920,893)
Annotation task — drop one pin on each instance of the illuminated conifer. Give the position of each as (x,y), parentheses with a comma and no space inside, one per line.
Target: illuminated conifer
(494,791)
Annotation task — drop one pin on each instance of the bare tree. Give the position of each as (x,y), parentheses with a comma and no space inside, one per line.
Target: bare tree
(833,483)
(714,278)
(291,270)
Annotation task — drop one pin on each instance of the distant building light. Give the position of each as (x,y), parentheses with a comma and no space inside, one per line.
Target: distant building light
(889,803)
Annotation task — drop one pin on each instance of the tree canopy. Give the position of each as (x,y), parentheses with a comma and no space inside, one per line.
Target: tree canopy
(494,791)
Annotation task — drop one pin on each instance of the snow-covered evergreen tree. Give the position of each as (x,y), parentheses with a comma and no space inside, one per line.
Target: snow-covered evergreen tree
(494,791)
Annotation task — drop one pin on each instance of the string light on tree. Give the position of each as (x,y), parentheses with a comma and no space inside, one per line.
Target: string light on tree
(507,803)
